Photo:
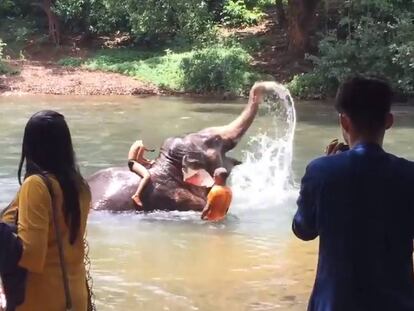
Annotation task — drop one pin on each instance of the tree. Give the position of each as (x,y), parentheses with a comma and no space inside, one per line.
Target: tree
(280,11)
(53,22)
(302,19)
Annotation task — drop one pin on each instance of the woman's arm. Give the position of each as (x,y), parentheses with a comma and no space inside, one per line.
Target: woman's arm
(33,223)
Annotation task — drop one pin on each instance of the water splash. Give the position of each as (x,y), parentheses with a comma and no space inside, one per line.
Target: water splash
(265,178)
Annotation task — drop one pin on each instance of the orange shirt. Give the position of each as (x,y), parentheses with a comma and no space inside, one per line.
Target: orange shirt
(219,199)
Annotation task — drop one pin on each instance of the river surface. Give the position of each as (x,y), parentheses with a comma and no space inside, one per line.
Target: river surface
(174,261)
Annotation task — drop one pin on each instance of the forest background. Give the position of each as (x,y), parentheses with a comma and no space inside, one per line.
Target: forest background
(217,46)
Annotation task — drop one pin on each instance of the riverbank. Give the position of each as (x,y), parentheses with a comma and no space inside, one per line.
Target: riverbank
(37,77)
(113,66)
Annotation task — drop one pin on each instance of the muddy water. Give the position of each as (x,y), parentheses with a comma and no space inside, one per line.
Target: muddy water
(173,261)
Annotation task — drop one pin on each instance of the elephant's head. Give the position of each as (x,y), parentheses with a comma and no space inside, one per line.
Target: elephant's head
(201,153)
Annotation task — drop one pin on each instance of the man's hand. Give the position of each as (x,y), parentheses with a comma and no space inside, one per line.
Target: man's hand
(335,147)
(205,212)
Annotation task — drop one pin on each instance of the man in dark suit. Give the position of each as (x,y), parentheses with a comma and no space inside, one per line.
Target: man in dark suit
(360,203)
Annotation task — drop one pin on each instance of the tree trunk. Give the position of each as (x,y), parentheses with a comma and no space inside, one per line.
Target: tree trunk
(281,15)
(301,23)
(54,30)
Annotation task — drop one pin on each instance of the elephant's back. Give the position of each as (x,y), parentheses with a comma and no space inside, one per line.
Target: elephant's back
(112,189)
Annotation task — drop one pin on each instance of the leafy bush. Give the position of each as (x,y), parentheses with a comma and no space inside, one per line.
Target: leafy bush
(169,18)
(70,62)
(17,29)
(264,3)
(95,16)
(309,85)
(3,68)
(237,13)
(14,8)
(217,69)
(153,20)
(378,41)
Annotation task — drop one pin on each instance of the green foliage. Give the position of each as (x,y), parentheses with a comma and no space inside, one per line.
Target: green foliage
(70,62)
(169,18)
(265,3)
(15,8)
(309,85)
(149,22)
(378,41)
(252,44)
(237,13)
(4,69)
(217,69)
(152,20)
(14,29)
(95,16)
(69,9)
(6,6)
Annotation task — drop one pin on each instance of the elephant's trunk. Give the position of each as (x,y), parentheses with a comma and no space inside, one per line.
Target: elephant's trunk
(234,131)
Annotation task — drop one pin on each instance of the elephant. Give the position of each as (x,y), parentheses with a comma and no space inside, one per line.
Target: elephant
(205,151)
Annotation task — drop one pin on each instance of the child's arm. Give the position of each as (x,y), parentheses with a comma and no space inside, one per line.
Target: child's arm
(133,151)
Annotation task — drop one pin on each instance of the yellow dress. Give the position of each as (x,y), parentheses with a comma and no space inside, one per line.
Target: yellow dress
(44,286)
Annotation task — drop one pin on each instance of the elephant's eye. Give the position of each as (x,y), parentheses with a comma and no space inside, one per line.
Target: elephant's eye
(214,141)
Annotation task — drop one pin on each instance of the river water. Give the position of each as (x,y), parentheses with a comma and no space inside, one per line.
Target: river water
(174,261)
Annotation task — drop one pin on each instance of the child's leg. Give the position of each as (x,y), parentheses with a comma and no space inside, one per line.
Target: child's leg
(143,172)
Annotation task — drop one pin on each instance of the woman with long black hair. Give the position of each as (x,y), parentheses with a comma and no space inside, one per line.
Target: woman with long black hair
(52,187)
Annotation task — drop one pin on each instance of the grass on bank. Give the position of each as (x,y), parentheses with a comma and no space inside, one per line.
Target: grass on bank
(216,69)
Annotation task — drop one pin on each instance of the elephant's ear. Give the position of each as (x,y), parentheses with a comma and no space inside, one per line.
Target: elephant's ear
(195,174)
(200,178)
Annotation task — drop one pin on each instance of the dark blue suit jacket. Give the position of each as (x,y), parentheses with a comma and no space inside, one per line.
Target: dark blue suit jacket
(361,205)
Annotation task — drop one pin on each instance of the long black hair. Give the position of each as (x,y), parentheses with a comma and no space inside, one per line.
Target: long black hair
(47,148)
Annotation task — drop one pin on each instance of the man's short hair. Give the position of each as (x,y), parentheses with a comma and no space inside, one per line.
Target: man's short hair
(222,173)
(366,101)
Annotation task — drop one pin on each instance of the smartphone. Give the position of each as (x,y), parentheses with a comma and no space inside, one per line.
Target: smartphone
(344,148)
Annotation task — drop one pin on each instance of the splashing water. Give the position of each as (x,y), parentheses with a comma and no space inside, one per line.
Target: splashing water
(265,177)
